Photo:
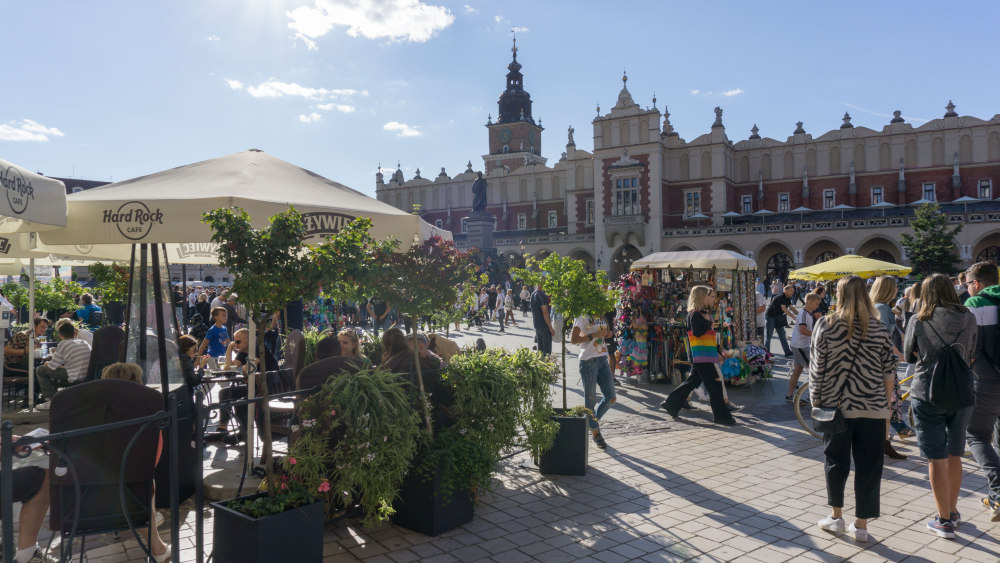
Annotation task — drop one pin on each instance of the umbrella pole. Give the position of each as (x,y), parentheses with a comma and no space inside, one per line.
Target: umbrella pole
(31,334)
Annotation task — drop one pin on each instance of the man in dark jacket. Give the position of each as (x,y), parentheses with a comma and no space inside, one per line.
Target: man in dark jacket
(982,284)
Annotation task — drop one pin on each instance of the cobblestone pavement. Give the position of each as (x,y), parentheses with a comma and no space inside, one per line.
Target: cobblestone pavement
(667,490)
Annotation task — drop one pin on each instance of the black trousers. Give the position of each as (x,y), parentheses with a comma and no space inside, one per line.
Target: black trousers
(707,374)
(864,440)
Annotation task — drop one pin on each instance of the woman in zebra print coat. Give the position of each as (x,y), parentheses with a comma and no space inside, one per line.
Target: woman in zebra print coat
(852,367)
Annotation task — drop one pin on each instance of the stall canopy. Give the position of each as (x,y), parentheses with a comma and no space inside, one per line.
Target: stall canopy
(849,265)
(167,207)
(720,259)
(30,202)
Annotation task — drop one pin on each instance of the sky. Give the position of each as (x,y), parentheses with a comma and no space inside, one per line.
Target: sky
(111,90)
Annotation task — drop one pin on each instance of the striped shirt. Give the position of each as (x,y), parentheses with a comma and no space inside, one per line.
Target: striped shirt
(851,373)
(74,355)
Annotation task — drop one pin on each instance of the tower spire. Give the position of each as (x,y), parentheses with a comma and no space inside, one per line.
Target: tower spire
(513,32)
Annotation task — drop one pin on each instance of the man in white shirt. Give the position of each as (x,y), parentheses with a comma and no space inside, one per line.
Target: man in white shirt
(68,364)
(801,335)
(220,299)
(589,333)
(761,308)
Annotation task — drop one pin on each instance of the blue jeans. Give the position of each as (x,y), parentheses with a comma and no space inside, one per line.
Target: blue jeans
(981,430)
(596,372)
(769,328)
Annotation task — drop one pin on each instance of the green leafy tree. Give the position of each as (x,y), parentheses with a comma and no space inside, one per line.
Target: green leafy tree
(468,292)
(932,245)
(16,293)
(424,280)
(56,295)
(271,266)
(112,281)
(574,292)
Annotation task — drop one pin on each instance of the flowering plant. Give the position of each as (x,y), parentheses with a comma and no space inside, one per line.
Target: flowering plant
(356,438)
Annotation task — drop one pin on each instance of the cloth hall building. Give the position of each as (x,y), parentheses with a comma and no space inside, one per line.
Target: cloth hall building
(786,204)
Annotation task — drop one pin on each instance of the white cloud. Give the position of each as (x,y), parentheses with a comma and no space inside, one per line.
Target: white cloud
(214,37)
(733,92)
(27,130)
(695,92)
(397,20)
(311,118)
(498,19)
(402,129)
(343,108)
(518,29)
(469,9)
(234,84)
(272,88)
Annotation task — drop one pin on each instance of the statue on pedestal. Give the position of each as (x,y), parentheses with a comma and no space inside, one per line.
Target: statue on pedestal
(479,194)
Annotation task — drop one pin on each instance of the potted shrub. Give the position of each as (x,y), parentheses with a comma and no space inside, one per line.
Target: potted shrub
(287,526)
(491,396)
(574,292)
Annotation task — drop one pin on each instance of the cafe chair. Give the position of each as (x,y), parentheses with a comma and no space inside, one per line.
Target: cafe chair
(295,351)
(105,350)
(113,469)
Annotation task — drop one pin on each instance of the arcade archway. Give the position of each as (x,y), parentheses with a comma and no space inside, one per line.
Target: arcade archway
(622,260)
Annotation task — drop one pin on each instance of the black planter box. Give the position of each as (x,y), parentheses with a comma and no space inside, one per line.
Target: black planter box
(293,535)
(568,454)
(422,507)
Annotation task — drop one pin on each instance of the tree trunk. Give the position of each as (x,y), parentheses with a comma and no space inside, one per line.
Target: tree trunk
(267,456)
(424,401)
(562,337)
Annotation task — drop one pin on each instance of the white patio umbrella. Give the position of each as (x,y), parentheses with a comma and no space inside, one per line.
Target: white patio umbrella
(842,208)
(965,201)
(31,203)
(883,205)
(697,217)
(167,207)
(800,210)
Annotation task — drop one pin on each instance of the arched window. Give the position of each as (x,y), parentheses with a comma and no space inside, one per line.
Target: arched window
(744,170)
(824,256)
(882,255)
(965,149)
(811,162)
(835,160)
(989,254)
(626,133)
(706,164)
(778,266)
(789,171)
(884,157)
(765,166)
(859,157)
(937,152)
(911,153)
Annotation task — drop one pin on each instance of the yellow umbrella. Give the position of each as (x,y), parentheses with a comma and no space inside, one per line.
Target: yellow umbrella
(849,265)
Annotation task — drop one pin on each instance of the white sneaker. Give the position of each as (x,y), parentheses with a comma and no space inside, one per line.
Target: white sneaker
(831,524)
(44,406)
(860,534)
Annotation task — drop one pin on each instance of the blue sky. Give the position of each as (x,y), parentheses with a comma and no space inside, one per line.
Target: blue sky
(112,90)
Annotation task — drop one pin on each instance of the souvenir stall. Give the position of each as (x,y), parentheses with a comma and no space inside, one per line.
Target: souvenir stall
(651,322)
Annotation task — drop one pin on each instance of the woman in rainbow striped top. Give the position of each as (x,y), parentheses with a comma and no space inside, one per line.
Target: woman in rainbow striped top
(704,358)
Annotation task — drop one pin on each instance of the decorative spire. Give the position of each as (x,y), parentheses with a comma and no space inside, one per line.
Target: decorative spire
(571,141)
(598,109)
(442,174)
(654,99)
(798,129)
(753,132)
(417,175)
(513,33)
(847,122)
(624,78)
(624,97)
(951,110)
(540,122)
(468,166)
(668,129)
(897,117)
(489,119)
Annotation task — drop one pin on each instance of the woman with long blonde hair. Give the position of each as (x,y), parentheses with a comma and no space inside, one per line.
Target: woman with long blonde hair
(883,295)
(704,358)
(852,369)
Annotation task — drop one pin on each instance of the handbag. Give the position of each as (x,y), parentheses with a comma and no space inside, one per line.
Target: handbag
(829,420)
(704,349)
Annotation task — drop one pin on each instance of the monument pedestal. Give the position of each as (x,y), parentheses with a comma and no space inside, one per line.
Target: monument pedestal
(479,230)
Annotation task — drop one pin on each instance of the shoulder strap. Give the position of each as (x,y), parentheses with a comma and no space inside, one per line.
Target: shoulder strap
(939,336)
(989,298)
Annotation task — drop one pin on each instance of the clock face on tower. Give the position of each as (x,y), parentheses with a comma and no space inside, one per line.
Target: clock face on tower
(506,135)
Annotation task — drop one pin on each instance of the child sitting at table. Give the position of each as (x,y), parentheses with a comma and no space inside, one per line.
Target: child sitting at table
(217,337)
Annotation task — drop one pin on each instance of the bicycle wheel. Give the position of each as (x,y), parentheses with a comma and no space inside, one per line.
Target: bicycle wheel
(803,411)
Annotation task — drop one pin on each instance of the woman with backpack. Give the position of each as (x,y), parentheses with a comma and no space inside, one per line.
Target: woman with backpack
(851,370)
(883,294)
(941,323)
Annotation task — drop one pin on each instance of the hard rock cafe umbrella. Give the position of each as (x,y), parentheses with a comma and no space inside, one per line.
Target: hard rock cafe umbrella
(849,265)
(167,207)
(30,202)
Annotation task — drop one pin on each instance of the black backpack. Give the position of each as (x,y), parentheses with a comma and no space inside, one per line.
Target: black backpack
(952,384)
